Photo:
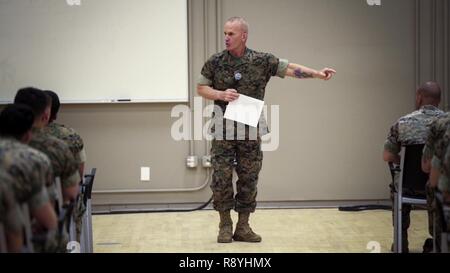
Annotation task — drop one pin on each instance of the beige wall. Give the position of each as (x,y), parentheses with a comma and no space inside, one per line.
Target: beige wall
(331,133)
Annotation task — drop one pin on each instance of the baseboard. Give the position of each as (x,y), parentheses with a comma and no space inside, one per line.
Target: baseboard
(179,207)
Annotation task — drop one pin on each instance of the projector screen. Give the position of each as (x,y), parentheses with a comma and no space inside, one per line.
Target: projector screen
(95,51)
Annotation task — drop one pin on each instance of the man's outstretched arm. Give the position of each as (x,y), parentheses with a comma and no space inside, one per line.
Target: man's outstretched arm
(303,72)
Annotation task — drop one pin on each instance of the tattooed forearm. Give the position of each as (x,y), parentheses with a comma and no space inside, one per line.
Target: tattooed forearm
(302,75)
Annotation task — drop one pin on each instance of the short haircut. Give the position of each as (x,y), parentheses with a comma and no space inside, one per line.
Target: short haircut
(244,24)
(34,98)
(16,120)
(431,91)
(55,104)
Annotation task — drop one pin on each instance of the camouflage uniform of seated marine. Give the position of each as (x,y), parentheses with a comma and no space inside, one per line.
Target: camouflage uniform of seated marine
(64,165)
(10,213)
(434,151)
(444,184)
(413,128)
(76,145)
(33,179)
(444,187)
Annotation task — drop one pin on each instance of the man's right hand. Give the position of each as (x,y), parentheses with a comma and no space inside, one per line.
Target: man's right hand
(228,95)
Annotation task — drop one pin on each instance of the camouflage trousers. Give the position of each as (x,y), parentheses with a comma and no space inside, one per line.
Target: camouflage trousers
(434,217)
(51,242)
(248,157)
(442,220)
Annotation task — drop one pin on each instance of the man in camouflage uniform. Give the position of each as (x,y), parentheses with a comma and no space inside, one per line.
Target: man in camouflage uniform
(411,129)
(435,149)
(433,155)
(240,70)
(435,161)
(30,170)
(76,145)
(11,216)
(441,180)
(66,134)
(443,183)
(63,162)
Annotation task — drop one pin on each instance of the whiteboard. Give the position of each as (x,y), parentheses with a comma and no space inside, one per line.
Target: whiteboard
(95,51)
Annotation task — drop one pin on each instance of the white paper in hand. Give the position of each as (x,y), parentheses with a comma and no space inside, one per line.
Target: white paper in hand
(245,109)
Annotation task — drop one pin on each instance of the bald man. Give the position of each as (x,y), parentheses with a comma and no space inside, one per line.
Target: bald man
(224,77)
(413,129)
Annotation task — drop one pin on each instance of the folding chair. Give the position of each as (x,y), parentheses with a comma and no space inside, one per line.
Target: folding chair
(412,178)
(86,231)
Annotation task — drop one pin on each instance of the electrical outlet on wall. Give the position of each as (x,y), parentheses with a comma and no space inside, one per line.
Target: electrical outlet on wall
(192,161)
(206,161)
(145,174)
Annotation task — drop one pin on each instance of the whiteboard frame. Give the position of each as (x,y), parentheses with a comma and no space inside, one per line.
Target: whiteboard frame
(124,100)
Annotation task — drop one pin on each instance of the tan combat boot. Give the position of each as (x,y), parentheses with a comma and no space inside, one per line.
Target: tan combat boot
(243,231)
(225,227)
